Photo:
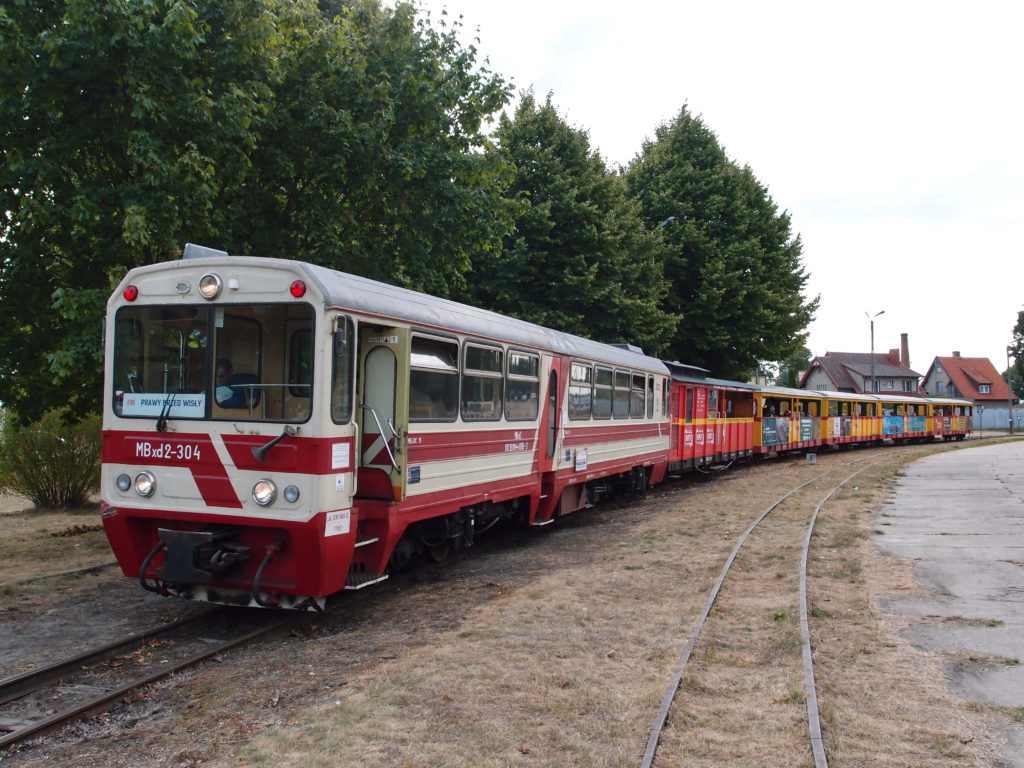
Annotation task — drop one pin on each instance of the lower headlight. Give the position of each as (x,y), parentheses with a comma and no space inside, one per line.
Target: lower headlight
(145,483)
(264,492)
(291,494)
(124,482)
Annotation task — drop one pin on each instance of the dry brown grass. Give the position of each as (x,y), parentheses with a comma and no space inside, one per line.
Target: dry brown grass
(39,543)
(570,669)
(557,652)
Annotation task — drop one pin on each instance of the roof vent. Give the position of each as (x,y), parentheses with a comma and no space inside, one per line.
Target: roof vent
(193,251)
(628,348)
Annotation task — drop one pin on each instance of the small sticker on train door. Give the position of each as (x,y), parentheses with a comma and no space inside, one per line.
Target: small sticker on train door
(339,483)
(338,523)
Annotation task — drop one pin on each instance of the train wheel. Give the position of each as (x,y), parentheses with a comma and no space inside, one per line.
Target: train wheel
(402,554)
(439,553)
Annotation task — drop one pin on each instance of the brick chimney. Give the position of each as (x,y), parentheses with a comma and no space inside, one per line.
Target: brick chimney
(904,350)
(956,353)
(894,356)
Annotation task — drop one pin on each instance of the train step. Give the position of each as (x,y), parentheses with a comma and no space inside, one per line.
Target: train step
(360,580)
(367,542)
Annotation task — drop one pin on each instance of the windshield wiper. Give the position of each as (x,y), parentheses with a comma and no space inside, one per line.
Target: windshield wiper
(165,412)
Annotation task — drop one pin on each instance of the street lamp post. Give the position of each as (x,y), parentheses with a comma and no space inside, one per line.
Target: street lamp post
(871,319)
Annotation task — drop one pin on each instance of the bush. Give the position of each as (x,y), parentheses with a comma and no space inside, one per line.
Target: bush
(52,463)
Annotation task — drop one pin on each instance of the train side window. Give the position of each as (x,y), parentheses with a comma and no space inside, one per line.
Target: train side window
(650,397)
(833,408)
(522,390)
(620,397)
(636,397)
(689,405)
(666,397)
(602,393)
(483,383)
(712,403)
(342,371)
(433,379)
(580,393)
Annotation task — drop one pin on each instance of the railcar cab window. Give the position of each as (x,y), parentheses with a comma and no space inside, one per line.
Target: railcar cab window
(650,397)
(343,370)
(167,359)
(483,383)
(522,391)
(580,393)
(433,379)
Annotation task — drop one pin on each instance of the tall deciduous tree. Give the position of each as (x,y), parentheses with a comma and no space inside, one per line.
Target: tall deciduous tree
(579,259)
(732,260)
(348,134)
(1017,353)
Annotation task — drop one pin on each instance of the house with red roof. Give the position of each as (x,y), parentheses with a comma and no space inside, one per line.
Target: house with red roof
(853,371)
(973,378)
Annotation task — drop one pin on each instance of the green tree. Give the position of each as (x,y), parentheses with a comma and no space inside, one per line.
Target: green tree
(792,367)
(732,261)
(346,133)
(579,258)
(1017,353)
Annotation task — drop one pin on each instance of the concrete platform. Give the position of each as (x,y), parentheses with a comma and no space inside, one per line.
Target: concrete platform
(960,517)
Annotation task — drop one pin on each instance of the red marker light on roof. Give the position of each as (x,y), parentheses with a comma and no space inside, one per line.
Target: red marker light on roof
(298,289)
(130,293)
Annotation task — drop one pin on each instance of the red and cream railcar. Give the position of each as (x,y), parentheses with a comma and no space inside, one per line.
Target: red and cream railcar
(275,432)
(712,419)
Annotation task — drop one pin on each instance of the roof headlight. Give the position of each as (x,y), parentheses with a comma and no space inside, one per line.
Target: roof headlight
(210,286)
(264,492)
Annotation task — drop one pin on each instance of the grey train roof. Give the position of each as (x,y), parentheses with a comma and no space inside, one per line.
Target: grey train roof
(351,292)
(693,374)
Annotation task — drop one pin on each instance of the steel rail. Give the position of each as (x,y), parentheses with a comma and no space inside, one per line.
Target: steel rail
(16,686)
(810,687)
(101,702)
(814,730)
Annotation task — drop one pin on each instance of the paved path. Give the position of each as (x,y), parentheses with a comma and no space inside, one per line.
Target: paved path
(960,517)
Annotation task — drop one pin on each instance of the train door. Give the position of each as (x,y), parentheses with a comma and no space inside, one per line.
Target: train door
(674,419)
(384,407)
(549,423)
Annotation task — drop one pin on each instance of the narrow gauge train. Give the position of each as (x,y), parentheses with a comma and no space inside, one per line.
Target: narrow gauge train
(275,432)
(714,421)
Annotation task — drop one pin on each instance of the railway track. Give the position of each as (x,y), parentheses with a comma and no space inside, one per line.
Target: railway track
(46,698)
(792,513)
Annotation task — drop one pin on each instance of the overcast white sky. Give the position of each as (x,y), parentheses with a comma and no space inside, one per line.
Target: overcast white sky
(890,131)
